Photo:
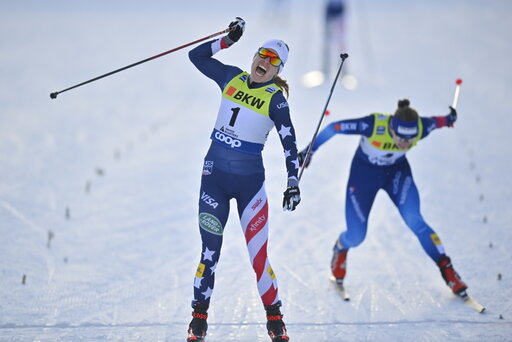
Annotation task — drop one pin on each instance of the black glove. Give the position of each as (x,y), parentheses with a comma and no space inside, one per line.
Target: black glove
(291,198)
(302,157)
(452,117)
(237,29)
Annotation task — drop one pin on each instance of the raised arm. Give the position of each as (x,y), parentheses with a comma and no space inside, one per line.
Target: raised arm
(201,56)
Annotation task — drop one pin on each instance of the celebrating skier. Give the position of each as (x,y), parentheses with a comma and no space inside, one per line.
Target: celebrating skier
(252,104)
(380,163)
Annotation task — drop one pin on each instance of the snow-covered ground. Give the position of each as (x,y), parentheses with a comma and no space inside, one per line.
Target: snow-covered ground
(99,187)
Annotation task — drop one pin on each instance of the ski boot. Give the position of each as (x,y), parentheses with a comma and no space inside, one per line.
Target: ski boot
(339,263)
(451,277)
(275,325)
(198,326)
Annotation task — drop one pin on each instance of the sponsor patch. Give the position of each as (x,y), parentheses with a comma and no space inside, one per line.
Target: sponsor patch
(212,202)
(208,167)
(405,190)
(363,125)
(231,90)
(283,104)
(250,100)
(381,130)
(226,139)
(257,223)
(228,131)
(256,204)
(396,182)
(437,242)
(390,146)
(435,239)
(407,131)
(200,270)
(356,206)
(210,223)
(270,271)
(348,126)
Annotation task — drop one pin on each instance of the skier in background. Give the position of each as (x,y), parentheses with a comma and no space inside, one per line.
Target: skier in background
(275,12)
(252,104)
(380,163)
(334,33)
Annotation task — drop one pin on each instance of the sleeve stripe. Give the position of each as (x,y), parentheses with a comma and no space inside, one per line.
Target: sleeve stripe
(216,46)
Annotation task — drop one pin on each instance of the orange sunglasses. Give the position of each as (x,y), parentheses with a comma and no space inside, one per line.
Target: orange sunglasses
(274,58)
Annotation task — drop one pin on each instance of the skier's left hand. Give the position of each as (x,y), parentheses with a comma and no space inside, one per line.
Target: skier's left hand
(291,198)
(452,117)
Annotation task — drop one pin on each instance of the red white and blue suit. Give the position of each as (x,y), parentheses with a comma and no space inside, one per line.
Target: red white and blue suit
(233,168)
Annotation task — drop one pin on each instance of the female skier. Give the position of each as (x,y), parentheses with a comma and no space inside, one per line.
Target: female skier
(252,104)
(380,163)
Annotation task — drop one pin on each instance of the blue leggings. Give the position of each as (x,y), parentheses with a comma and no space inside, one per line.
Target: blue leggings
(217,188)
(364,182)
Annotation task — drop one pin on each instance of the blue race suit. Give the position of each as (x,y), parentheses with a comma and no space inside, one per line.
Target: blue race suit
(379,164)
(233,168)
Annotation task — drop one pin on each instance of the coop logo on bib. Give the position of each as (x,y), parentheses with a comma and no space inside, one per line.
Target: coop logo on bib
(210,223)
(228,140)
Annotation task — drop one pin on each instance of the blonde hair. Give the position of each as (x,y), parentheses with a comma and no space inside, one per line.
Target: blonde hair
(283,84)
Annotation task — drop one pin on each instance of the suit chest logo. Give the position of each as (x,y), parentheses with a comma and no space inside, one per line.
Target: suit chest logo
(243,97)
(386,146)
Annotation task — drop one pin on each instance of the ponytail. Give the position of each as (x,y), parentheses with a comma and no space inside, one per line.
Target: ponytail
(283,84)
(404,112)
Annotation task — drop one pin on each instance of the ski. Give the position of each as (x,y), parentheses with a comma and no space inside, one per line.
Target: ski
(338,284)
(471,302)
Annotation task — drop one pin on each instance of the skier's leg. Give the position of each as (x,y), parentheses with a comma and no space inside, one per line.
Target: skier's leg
(404,194)
(253,211)
(213,215)
(362,187)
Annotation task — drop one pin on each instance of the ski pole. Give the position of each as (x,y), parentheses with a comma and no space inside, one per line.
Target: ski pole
(54,95)
(458,82)
(343,56)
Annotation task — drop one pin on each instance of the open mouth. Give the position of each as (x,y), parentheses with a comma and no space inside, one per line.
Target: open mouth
(260,71)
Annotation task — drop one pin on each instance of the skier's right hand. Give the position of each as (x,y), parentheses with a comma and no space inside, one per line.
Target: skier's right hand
(237,29)
(302,157)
